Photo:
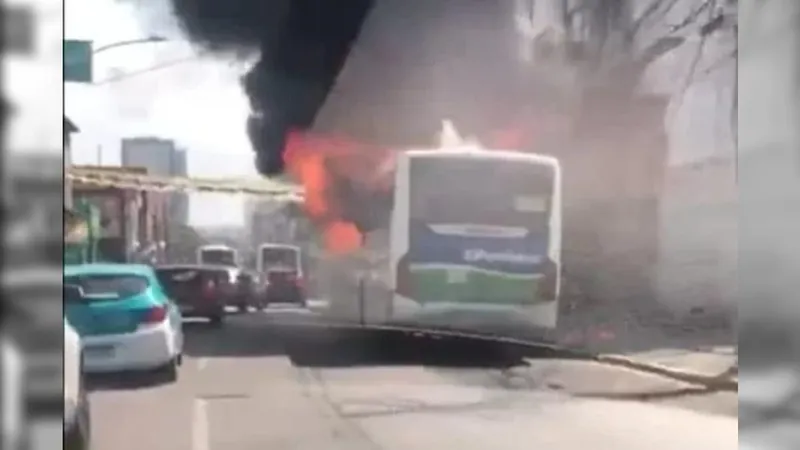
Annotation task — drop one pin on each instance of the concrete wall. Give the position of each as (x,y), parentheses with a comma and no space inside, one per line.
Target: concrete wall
(698,221)
(698,238)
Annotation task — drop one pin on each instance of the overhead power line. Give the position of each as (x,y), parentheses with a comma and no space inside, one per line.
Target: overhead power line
(157,67)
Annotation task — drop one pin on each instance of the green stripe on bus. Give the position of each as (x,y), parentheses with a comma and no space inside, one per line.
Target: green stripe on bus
(472,287)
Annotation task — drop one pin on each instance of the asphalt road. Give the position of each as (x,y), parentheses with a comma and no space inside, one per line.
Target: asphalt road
(239,390)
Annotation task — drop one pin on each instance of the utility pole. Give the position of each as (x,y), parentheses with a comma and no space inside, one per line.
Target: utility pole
(99,155)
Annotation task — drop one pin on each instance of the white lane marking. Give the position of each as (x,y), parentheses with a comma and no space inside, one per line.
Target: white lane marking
(200,424)
(202,363)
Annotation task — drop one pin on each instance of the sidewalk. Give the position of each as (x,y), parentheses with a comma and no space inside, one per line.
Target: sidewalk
(627,327)
(633,336)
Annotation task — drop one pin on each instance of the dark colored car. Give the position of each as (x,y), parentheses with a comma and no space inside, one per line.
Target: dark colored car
(198,290)
(283,285)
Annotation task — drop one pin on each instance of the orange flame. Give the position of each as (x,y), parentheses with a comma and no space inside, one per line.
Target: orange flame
(314,162)
(341,237)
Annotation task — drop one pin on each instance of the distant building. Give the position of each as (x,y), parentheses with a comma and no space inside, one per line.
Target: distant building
(155,154)
(160,157)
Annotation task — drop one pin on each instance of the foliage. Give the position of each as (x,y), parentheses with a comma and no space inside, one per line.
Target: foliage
(618,40)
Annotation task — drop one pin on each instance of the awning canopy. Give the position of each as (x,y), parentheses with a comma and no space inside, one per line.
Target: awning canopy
(142,182)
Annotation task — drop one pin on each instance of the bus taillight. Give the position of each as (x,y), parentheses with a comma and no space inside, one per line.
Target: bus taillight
(209,290)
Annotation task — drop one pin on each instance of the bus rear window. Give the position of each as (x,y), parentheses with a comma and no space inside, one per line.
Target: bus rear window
(489,192)
(222,257)
(279,258)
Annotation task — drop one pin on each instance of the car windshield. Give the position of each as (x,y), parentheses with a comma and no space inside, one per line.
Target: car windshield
(473,223)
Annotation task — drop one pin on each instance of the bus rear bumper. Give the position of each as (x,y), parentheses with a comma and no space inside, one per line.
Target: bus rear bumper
(535,322)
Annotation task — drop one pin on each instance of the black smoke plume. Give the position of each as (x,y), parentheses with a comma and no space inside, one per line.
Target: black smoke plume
(303,45)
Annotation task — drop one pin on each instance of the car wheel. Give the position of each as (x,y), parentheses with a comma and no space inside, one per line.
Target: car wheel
(170,370)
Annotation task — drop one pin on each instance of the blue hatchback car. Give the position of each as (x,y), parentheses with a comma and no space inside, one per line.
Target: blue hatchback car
(125,319)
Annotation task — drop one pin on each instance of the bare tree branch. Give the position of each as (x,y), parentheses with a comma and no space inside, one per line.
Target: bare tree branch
(698,55)
(649,13)
(692,17)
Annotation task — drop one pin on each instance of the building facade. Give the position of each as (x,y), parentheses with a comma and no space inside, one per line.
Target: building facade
(161,157)
(132,222)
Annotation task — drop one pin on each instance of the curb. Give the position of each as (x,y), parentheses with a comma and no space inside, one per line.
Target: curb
(719,382)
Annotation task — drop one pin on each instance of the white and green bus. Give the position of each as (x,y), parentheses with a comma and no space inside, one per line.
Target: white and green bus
(475,240)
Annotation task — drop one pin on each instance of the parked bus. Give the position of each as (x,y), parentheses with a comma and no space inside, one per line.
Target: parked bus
(475,240)
(220,255)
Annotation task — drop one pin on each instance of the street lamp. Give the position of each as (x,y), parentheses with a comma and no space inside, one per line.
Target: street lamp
(146,40)
(79,55)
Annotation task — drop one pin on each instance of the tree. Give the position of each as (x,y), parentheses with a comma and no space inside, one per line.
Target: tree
(613,42)
(619,131)
(612,45)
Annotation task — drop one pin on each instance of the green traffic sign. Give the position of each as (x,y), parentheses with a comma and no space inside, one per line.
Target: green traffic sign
(78,61)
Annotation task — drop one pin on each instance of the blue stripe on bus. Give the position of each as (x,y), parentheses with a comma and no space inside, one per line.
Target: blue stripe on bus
(512,255)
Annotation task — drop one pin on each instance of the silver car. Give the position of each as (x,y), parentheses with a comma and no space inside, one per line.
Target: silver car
(76,403)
